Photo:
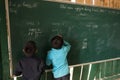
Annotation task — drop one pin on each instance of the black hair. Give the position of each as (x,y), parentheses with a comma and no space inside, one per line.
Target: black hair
(57,42)
(30,48)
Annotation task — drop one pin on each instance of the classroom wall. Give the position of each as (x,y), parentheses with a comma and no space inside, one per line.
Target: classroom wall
(4,63)
(0,61)
(0,46)
(49,18)
(97,69)
(102,3)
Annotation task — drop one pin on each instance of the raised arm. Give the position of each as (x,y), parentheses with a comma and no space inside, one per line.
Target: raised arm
(66,46)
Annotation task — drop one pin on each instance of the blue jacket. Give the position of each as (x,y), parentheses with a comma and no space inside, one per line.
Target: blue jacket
(58,58)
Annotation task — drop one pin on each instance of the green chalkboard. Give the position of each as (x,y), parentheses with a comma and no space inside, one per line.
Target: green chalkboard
(0,57)
(93,32)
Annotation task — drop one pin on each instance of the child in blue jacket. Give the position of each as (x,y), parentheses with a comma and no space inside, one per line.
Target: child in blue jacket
(57,56)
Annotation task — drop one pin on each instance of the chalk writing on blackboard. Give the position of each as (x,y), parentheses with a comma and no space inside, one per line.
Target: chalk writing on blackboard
(33,5)
(24,4)
(87,9)
(84,43)
(13,10)
(34,32)
(33,23)
(56,27)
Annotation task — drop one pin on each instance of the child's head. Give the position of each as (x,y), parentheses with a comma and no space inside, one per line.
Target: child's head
(30,48)
(57,42)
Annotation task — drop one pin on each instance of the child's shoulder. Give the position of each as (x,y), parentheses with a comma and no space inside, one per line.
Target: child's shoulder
(51,50)
(37,58)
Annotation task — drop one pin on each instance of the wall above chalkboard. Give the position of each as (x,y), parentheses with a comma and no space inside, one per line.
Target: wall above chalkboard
(93,32)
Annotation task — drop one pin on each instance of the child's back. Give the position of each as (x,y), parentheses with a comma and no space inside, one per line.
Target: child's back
(31,67)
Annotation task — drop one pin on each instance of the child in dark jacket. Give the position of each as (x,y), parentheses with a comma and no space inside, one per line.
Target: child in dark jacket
(30,67)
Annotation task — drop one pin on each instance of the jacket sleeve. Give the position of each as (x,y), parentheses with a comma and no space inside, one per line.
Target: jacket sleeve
(18,69)
(48,60)
(42,66)
(66,47)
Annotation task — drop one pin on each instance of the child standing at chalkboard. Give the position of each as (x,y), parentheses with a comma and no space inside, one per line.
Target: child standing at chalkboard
(30,67)
(57,56)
